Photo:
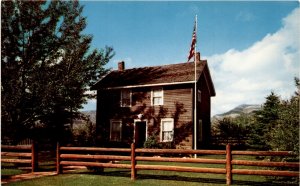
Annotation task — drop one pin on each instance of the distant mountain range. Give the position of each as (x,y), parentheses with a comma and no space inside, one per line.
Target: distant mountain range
(91,114)
(237,111)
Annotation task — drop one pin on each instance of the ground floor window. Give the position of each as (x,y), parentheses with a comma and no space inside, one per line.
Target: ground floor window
(167,130)
(115,130)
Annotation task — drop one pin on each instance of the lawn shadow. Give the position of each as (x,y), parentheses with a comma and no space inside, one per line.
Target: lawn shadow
(143,176)
(255,183)
(182,178)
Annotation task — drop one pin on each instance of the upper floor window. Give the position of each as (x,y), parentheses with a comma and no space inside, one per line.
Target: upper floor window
(157,96)
(167,130)
(126,98)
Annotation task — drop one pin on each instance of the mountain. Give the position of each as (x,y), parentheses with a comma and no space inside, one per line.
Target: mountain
(237,111)
(91,114)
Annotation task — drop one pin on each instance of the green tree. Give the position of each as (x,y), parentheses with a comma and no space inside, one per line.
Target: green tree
(229,128)
(276,126)
(285,135)
(47,65)
(265,120)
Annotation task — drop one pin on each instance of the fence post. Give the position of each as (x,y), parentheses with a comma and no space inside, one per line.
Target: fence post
(133,162)
(34,157)
(228,165)
(58,166)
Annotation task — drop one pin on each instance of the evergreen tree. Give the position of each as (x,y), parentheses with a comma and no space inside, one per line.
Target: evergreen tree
(230,128)
(285,135)
(265,120)
(47,65)
(276,126)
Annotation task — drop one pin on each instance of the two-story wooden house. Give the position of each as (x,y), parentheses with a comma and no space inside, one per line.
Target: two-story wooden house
(158,101)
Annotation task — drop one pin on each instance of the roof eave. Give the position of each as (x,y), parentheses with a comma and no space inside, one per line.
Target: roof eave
(148,85)
(94,87)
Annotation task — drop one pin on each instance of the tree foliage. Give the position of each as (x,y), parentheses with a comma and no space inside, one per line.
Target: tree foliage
(265,120)
(285,134)
(277,124)
(232,130)
(274,127)
(47,65)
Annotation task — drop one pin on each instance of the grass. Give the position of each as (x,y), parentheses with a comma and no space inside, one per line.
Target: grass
(10,172)
(122,177)
(9,169)
(146,177)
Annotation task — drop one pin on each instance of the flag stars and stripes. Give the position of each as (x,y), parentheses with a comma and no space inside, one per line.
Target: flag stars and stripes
(192,49)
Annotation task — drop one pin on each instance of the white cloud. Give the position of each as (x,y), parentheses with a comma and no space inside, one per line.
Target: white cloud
(248,76)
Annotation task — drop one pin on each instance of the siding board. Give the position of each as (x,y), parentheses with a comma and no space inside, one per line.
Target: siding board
(178,104)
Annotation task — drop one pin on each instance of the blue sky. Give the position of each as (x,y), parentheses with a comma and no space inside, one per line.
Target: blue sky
(232,36)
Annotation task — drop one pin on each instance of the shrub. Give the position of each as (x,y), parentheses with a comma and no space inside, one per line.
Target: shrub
(152,143)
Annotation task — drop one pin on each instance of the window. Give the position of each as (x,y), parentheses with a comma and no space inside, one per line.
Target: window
(199,96)
(200,131)
(126,98)
(157,97)
(115,130)
(167,130)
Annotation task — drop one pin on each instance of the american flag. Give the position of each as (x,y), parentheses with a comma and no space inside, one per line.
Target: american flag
(194,39)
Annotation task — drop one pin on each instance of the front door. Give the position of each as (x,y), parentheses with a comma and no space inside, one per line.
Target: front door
(140,133)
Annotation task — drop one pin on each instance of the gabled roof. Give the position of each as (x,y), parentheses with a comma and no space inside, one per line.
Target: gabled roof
(181,73)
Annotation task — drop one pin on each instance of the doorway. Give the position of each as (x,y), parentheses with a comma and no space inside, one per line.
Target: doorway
(140,132)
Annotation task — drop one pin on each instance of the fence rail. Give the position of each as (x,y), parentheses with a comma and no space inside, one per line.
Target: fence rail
(20,154)
(82,156)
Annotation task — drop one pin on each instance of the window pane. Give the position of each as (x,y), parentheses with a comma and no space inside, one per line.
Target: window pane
(115,126)
(125,98)
(157,97)
(167,136)
(115,133)
(157,101)
(157,93)
(167,130)
(125,94)
(126,102)
(167,126)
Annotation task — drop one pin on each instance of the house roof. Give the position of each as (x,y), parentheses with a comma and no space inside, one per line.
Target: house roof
(181,73)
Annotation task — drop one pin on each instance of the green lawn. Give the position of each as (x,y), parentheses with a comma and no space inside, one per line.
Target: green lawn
(147,178)
(122,177)
(8,169)
(5,172)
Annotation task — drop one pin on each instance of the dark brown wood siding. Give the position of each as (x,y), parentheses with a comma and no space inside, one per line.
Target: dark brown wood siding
(204,112)
(178,104)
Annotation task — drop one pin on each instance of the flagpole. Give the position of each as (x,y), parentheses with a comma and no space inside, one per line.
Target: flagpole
(195,94)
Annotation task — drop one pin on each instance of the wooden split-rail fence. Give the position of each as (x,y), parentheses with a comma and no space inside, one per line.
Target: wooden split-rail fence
(97,157)
(20,154)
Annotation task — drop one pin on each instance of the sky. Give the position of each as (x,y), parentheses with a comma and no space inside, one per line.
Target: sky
(252,48)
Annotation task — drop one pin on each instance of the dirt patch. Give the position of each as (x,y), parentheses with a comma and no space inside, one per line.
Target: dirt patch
(26,176)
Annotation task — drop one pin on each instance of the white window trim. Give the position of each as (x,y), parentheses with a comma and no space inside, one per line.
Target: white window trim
(110,128)
(161,132)
(152,96)
(130,97)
